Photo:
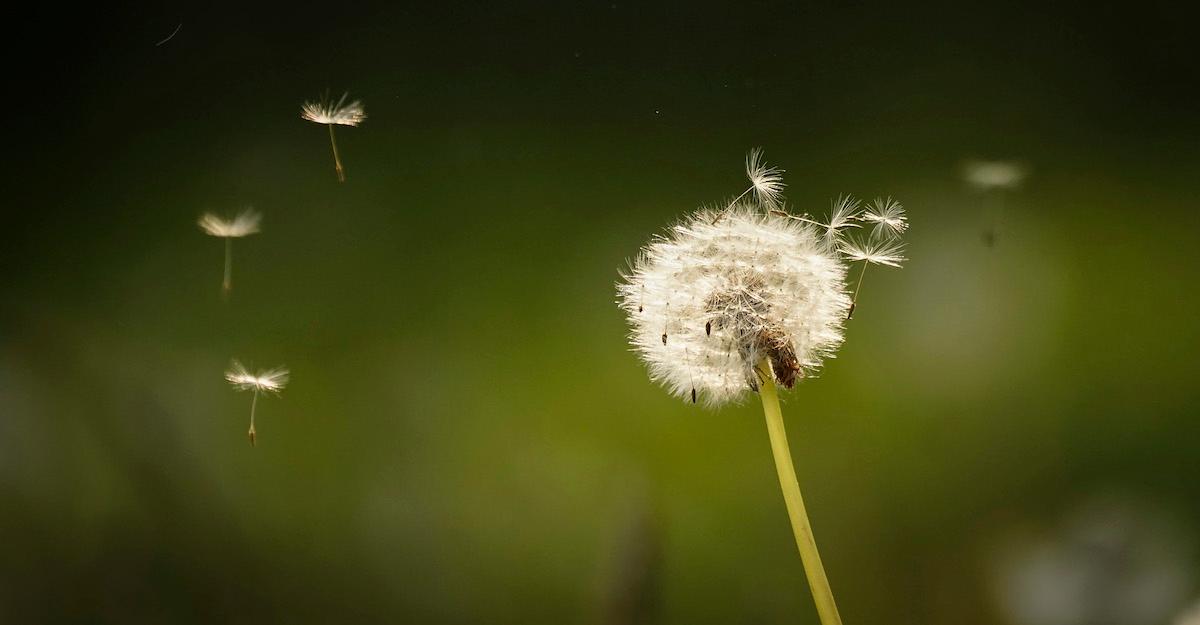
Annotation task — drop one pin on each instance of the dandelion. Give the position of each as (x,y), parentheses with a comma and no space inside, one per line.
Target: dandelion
(743,299)
(334,114)
(998,177)
(987,175)
(244,224)
(765,182)
(265,381)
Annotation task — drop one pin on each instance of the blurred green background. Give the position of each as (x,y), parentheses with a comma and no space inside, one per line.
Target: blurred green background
(466,438)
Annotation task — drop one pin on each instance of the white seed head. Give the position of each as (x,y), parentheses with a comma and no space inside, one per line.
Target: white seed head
(767,181)
(339,113)
(245,223)
(268,380)
(708,302)
(888,217)
(986,175)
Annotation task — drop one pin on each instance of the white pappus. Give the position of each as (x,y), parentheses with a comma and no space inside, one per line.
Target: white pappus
(724,291)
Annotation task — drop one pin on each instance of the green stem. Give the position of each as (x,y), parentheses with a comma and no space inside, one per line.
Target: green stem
(337,161)
(817,581)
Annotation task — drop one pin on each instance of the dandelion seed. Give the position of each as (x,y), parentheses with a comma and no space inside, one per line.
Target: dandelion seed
(877,251)
(843,214)
(985,175)
(765,182)
(752,297)
(334,114)
(265,381)
(244,224)
(888,252)
(998,178)
(888,217)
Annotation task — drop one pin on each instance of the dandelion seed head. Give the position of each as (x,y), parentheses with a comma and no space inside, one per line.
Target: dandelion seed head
(339,113)
(245,223)
(888,217)
(767,181)
(985,175)
(266,380)
(708,302)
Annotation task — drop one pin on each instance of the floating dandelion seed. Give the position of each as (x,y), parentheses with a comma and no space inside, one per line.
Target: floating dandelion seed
(334,114)
(985,175)
(750,297)
(998,177)
(875,251)
(888,217)
(244,224)
(765,182)
(265,381)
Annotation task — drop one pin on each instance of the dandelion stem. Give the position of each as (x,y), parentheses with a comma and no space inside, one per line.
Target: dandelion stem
(253,405)
(857,288)
(817,581)
(337,161)
(799,218)
(227,284)
(725,211)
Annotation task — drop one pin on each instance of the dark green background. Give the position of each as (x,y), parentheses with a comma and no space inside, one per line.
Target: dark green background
(467,438)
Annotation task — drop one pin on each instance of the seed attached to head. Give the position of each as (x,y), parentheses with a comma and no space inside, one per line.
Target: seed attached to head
(773,284)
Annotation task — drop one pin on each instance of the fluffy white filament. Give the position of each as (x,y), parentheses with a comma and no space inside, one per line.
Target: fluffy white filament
(267,381)
(339,113)
(707,302)
(986,175)
(767,182)
(726,290)
(888,217)
(245,223)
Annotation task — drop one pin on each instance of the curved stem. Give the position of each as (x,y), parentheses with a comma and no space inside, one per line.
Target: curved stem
(337,161)
(817,581)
